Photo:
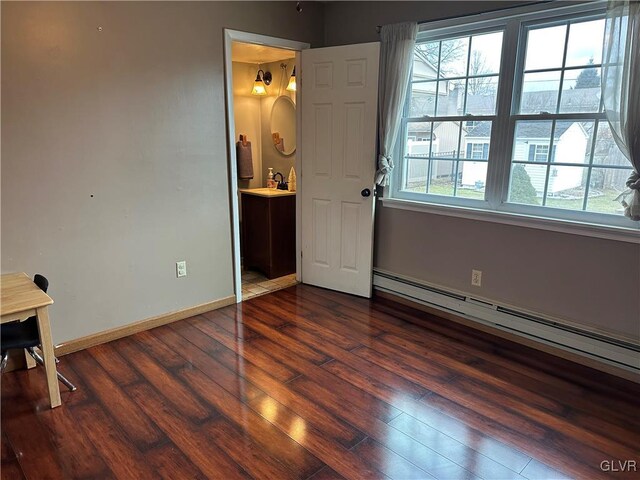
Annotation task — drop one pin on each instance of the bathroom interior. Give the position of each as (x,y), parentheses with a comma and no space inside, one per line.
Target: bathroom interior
(264,102)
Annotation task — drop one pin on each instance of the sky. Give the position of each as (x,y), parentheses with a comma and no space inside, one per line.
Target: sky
(545,50)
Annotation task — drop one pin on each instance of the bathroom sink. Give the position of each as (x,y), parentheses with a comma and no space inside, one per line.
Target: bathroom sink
(266,192)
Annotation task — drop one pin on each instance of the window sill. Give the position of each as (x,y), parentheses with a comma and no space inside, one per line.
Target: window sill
(620,234)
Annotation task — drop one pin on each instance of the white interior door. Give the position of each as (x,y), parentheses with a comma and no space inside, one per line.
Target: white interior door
(339,96)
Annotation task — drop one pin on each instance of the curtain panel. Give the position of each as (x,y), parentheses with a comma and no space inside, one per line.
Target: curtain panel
(621,91)
(396,56)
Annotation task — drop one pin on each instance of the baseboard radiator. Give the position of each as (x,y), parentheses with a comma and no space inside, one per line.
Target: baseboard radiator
(620,353)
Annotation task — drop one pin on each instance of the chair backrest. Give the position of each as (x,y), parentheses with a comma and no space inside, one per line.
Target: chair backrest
(41,281)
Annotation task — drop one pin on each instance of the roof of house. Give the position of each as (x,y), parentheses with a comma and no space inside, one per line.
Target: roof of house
(425,127)
(421,56)
(529,129)
(573,99)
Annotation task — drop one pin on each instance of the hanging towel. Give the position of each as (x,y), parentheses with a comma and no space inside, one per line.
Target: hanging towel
(245,159)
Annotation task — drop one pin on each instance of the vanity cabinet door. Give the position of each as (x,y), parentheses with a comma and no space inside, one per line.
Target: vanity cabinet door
(268,234)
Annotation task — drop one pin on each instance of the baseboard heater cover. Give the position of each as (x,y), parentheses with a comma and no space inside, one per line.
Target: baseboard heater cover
(610,350)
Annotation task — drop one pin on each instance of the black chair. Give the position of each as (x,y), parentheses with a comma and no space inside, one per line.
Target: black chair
(24,335)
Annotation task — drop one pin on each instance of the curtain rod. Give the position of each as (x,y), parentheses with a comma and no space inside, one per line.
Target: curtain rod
(424,22)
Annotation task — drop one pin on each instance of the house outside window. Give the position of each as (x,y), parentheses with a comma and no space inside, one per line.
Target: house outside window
(478,151)
(514,119)
(538,153)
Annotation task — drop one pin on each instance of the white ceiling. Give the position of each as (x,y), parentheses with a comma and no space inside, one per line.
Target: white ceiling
(251,53)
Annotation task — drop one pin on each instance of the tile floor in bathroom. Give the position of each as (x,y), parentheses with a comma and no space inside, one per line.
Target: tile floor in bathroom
(255,283)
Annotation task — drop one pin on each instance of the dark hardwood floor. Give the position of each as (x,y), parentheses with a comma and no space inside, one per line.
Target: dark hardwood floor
(307,383)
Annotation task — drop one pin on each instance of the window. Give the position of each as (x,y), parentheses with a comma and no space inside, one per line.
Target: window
(540,153)
(478,151)
(505,114)
(452,79)
(560,81)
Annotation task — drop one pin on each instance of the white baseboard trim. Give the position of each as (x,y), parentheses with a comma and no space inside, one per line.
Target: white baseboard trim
(614,351)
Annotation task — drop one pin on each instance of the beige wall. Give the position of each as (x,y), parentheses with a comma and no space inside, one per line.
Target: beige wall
(586,280)
(248,118)
(252,116)
(355,22)
(114,156)
(270,156)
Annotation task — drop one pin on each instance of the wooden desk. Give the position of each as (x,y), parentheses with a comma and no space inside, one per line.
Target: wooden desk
(21,298)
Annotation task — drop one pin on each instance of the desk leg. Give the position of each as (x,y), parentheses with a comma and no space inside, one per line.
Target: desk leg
(46,343)
(29,360)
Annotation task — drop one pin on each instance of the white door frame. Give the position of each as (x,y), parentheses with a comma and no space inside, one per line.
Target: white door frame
(246,37)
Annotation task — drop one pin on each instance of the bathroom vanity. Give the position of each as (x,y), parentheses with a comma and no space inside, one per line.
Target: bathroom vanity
(269,231)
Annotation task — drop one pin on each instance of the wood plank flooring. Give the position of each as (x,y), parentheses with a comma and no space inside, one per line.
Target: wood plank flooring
(305,383)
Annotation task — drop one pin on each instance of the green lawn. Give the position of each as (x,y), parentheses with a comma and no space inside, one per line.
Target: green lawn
(442,188)
(604,203)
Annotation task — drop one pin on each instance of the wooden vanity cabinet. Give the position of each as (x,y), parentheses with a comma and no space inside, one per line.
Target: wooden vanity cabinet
(269,233)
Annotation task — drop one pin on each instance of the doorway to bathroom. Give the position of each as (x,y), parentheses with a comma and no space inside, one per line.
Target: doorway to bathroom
(262,122)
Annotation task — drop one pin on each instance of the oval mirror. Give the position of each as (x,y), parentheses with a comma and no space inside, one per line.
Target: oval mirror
(283,125)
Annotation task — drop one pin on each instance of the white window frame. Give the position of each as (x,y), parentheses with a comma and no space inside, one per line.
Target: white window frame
(495,206)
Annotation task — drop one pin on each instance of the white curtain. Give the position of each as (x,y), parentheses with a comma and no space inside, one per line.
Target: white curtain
(621,90)
(396,56)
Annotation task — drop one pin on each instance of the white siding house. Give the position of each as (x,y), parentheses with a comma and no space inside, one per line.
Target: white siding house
(532,145)
(429,144)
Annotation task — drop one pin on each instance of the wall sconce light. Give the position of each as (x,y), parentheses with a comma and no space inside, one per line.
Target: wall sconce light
(292,81)
(260,82)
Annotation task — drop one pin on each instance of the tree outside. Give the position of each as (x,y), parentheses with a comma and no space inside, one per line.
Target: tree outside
(522,190)
(588,78)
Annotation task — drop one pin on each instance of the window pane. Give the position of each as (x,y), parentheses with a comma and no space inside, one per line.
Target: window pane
(572,141)
(425,61)
(476,140)
(566,187)
(423,99)
(527,183)
(453,57)
(450,98)
(486,51)
(416,175)
(604,186)
(540,92)
(442,177)
(580,90)
(472,179)
(481,95)
(585,43)
(419,138)
(532,141)
(545,47)
(445,140)
(606,150)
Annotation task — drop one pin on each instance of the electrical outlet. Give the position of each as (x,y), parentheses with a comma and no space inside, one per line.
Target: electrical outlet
(476,278)
(181,269)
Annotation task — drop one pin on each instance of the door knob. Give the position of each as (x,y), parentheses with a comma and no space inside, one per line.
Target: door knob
(366,192)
